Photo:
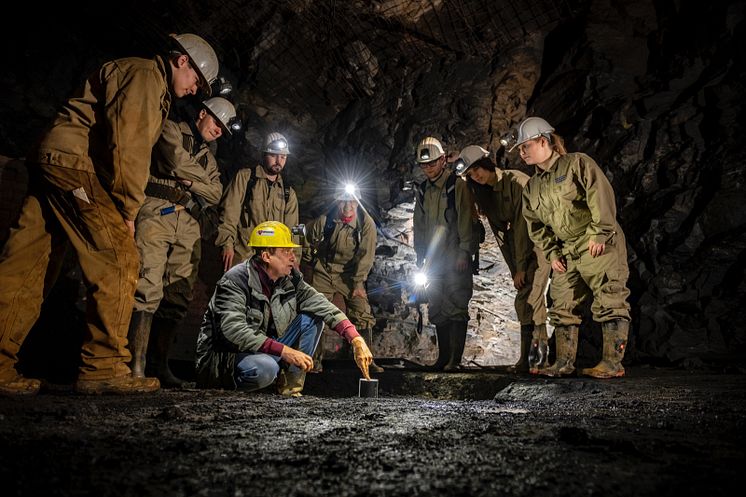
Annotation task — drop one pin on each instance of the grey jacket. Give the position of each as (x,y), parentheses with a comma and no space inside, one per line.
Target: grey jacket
(237,319)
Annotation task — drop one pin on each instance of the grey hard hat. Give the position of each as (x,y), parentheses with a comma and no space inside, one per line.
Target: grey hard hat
(223,110)
(468,157)
(275,143)
(531,128)
(203,57)
(429,150)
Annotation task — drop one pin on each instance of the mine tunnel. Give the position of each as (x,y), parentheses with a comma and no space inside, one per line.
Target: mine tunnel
(651,90)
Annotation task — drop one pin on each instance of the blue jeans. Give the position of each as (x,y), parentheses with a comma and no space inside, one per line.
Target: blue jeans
(258,370)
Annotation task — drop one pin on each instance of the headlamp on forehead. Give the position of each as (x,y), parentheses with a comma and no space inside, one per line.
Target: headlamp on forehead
(278,147)
(424,154)
(347,192)
(461,167)
(299,230)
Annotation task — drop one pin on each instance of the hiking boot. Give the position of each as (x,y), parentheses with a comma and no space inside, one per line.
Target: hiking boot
(19,387)
(121,385)
(615,344)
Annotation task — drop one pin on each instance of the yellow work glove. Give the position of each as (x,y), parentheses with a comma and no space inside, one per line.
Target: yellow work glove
(363,357)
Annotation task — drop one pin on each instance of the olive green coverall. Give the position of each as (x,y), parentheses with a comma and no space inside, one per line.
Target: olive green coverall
(441,237)
(87,176)
(565,206)
(341,264)
(267,204)
(502,204)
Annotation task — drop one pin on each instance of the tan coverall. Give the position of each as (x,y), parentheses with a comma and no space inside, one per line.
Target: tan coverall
(267,204)
(503,207)
(565,206)
(87,176)
(442,237)
(341,264)
(166,242)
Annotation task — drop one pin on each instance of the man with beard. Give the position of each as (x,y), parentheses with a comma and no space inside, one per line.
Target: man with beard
(253,196)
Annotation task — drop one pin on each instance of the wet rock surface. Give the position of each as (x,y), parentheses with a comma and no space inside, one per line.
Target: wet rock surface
(656,432)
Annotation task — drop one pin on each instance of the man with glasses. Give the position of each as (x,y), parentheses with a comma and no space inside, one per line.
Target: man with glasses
(253,196)
(443,241)
(264,322)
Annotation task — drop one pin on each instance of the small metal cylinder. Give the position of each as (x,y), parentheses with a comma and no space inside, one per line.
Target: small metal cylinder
(367,388)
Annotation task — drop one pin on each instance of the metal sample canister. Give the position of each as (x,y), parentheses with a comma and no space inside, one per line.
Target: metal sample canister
(367,388)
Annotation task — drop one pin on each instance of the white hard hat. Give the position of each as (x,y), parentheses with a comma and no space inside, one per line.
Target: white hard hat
(468,157)
(275,143)
(223,110)
(429,150)
(530,128)
(203,58)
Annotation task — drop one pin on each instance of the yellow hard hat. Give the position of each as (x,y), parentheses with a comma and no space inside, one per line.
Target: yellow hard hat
(271,234)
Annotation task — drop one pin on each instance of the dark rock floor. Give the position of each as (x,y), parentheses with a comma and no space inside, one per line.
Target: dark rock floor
(656,432)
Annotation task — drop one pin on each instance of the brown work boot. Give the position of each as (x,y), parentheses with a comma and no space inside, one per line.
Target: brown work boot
(121,385)
(615,344)
(566,338)
(19,387)
(290,384)
(522,365)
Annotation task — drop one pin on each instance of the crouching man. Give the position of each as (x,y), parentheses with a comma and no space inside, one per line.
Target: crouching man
(264,322)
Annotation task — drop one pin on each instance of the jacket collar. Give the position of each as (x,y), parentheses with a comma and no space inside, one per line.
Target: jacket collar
(261,173)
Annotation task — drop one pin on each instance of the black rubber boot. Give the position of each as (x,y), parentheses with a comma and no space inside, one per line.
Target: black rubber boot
(522,365)
(458,341)
(165,331)
(443,332)
(137,341)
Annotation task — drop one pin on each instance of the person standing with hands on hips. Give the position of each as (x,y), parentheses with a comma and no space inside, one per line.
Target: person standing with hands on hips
(570,211)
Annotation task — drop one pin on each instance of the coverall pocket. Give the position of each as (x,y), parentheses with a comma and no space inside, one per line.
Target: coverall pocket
(90,223)
(567,191)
